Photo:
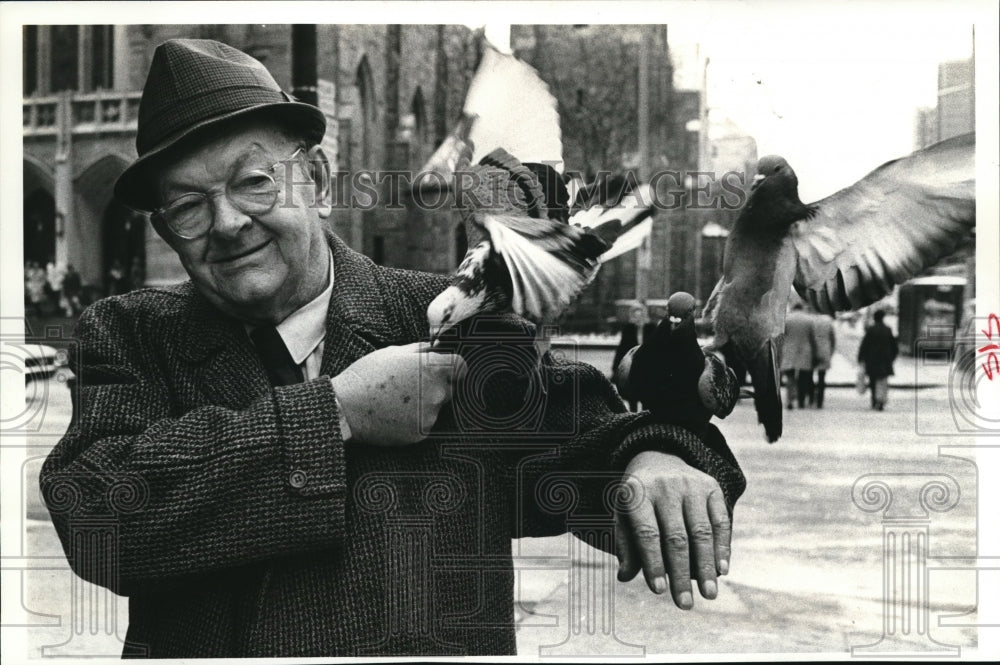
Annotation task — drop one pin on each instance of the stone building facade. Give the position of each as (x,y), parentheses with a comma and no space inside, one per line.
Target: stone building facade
(390,93)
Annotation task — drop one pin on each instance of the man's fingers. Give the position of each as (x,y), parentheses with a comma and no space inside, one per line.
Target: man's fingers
(676,549)
(645,535)
(702,550)
(722,528)
(628,558)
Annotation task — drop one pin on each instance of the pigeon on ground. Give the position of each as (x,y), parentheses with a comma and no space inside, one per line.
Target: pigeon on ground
(673,377)
(843,252)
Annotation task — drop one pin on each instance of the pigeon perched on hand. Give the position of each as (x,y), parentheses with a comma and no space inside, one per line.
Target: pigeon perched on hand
(843,252)
(527,254)
(673,377)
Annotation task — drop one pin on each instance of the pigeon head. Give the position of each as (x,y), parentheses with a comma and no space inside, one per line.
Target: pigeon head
(467,294)
(680,309)
(450,307)
(480,285)
(774,195)
(774,172)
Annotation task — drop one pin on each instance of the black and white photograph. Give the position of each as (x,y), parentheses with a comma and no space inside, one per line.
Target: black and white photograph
(531,331)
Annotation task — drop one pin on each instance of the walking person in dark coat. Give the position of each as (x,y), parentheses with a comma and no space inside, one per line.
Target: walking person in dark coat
(877,352)
(287,469)
(824,340)
(72,287)
(638,328)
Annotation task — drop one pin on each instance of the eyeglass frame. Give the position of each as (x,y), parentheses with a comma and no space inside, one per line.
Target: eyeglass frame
(156,215)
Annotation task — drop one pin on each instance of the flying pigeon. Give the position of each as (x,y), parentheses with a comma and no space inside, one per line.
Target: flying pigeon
(537,265)
(507,106)
(843,252)
(503,162)
(673,377)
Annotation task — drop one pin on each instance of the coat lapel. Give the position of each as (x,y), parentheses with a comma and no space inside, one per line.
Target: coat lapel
(359,319)
(224,361)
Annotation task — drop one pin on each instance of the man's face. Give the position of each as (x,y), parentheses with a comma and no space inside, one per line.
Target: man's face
(259,268)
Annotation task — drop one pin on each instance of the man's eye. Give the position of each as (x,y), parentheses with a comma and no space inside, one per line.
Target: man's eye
(185,205)
(253,183)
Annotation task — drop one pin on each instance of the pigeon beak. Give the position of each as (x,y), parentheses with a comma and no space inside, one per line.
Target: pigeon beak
(756,181)
(450,307)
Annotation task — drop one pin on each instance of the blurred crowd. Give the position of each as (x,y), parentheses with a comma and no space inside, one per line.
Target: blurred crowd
(57,289)
(806,355)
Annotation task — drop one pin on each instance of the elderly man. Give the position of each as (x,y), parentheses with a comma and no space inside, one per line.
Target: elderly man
(260,436)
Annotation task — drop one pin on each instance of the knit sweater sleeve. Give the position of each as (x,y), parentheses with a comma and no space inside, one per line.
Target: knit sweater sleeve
(188,491)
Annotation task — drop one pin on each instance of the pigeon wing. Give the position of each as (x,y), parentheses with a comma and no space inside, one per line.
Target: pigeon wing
(623,226)
(507,106)
(549,262)
(899,219)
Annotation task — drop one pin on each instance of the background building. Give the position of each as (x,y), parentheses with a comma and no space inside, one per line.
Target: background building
(390,94)
(954,115)
(622,110)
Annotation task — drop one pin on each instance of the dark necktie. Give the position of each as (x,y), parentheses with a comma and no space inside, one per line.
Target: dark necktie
(281,369)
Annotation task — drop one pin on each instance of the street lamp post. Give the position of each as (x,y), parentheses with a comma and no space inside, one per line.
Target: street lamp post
(642,256)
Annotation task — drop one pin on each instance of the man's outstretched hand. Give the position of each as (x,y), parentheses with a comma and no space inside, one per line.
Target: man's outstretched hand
(675,527)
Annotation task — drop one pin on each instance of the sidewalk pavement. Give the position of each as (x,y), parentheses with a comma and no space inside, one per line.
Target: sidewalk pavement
(809,561)
(910,373)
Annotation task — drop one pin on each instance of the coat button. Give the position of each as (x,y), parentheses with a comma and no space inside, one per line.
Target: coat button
(298,479)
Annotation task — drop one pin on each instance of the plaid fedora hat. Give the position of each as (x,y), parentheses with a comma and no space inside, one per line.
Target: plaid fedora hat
(192,85)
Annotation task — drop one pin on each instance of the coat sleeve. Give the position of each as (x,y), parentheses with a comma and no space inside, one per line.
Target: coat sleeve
(194,493)
(583,438)
(601,439)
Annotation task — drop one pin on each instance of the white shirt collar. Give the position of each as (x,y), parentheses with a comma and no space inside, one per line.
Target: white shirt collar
(304,329)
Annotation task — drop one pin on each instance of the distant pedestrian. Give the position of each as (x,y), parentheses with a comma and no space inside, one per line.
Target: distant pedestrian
(116,278)
(633,332)
(797,357)
(34,287)
(54,275)
(136,275)
(824,344)
(877,352)
(72,287)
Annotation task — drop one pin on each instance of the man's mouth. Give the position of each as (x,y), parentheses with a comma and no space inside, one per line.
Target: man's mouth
(239,254)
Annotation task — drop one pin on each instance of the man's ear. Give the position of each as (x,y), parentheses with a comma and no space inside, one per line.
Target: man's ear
(319,171)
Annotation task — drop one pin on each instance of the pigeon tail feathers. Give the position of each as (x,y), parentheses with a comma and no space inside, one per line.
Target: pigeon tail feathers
(767,390)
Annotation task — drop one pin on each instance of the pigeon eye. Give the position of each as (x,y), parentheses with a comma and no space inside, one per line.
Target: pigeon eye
(777,168)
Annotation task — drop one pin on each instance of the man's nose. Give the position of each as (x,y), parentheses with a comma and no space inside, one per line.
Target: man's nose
(229,220)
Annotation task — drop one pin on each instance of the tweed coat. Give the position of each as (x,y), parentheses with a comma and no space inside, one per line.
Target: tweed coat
(244,526)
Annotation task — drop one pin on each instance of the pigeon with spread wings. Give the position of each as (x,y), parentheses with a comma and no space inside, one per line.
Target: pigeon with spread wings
(504,161)
(843,252)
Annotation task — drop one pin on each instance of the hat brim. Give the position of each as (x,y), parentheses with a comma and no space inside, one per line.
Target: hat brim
(134,189)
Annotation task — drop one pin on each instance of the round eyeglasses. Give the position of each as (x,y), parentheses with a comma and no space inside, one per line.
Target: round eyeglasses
(190,216)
